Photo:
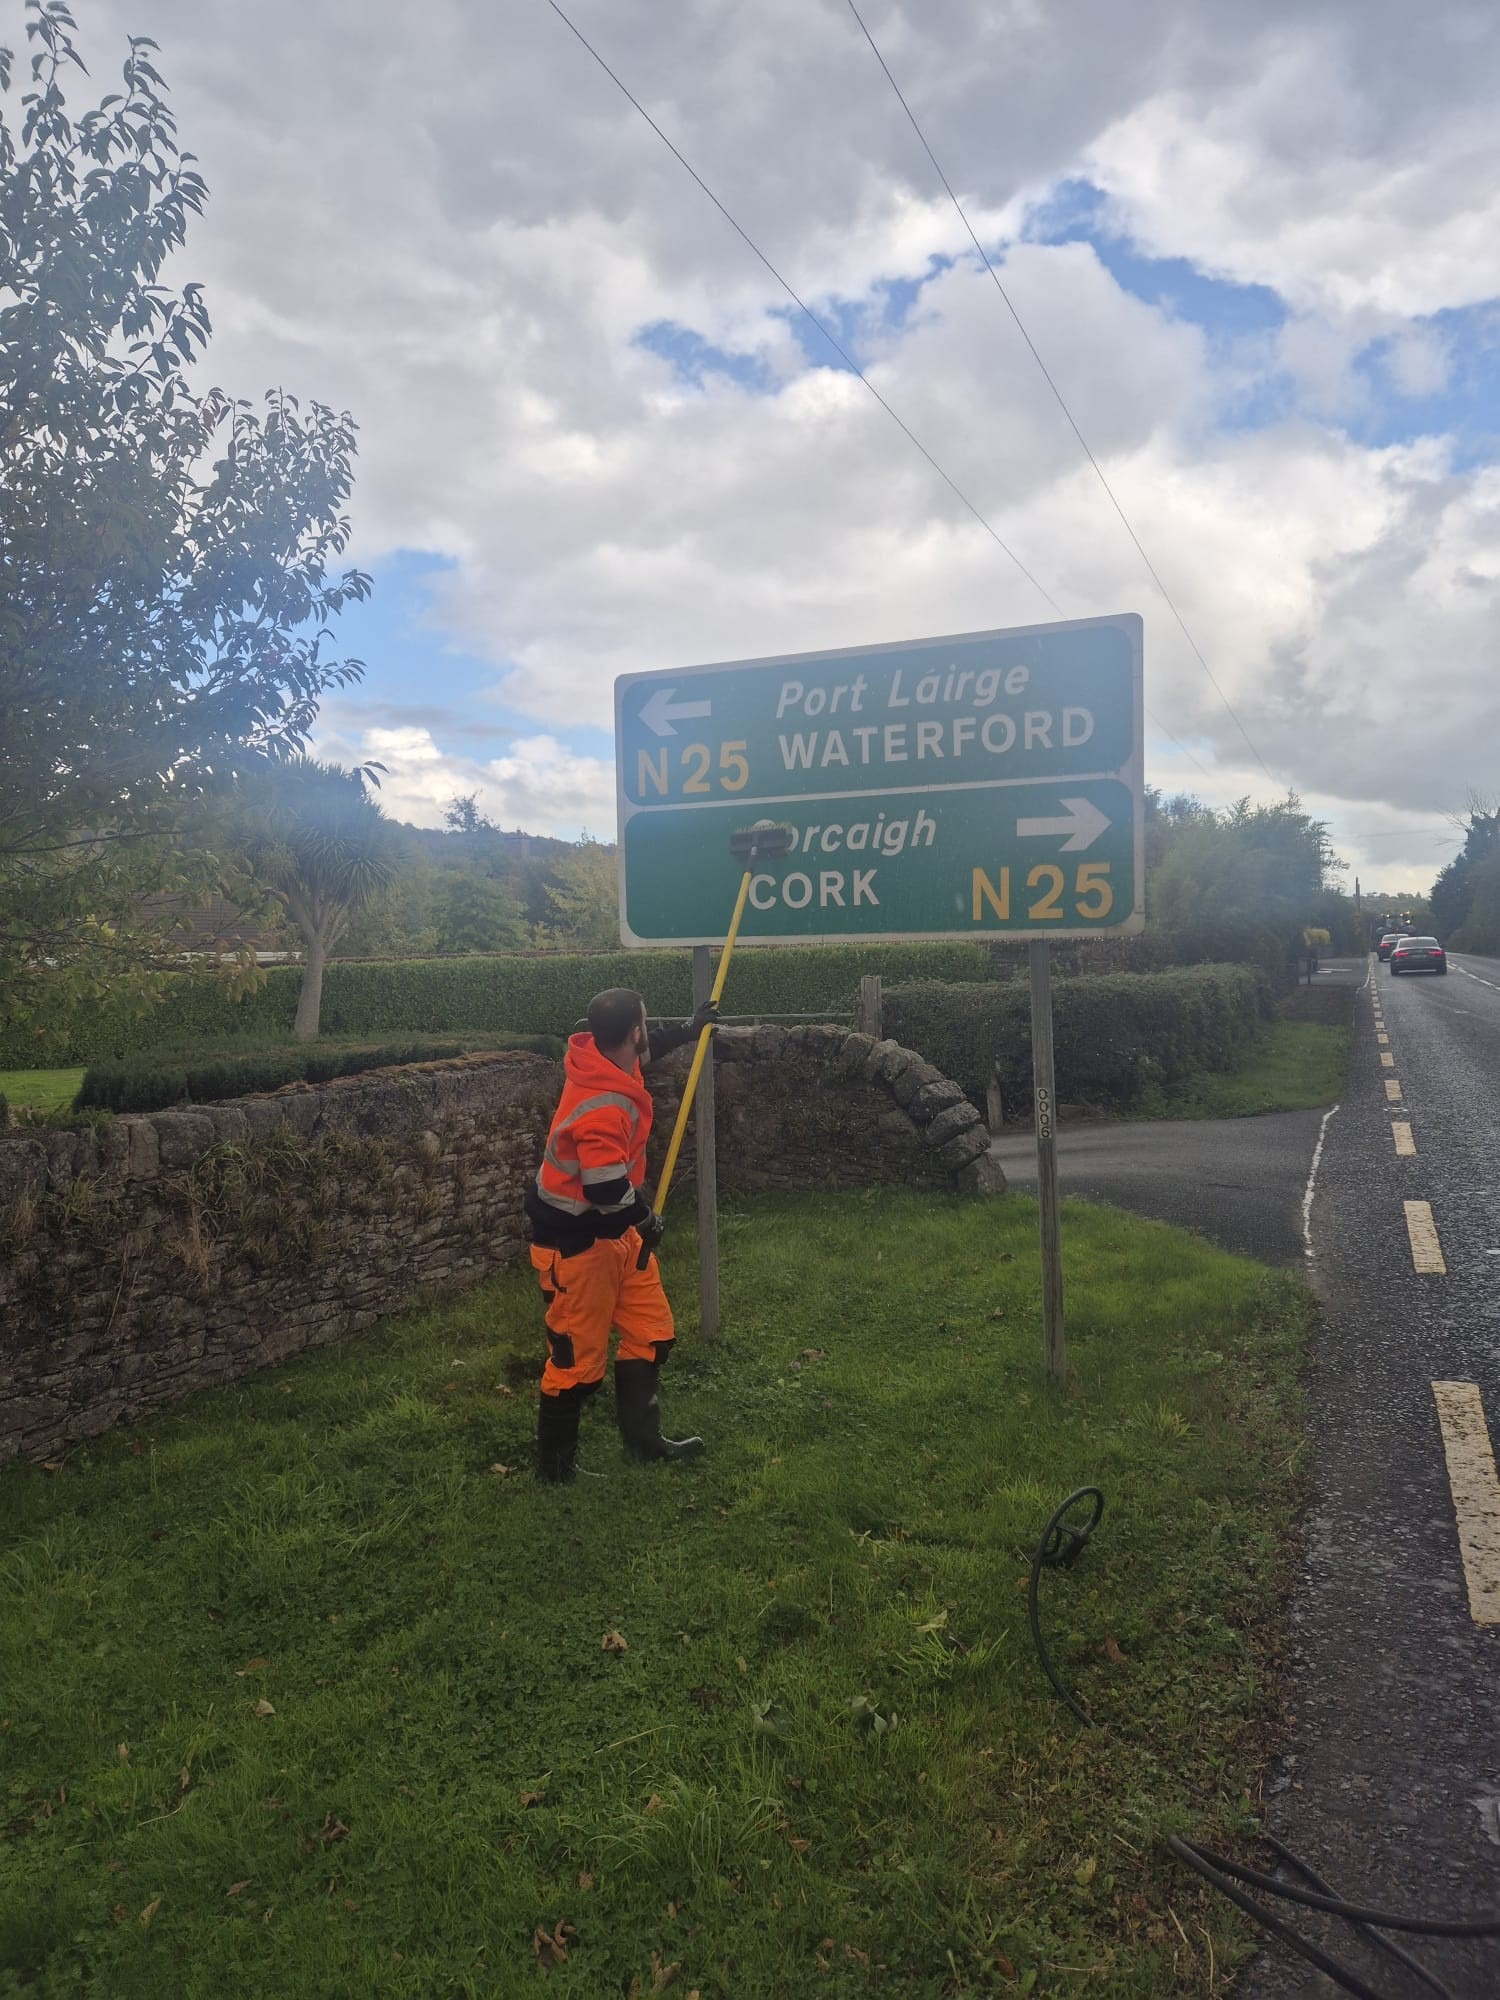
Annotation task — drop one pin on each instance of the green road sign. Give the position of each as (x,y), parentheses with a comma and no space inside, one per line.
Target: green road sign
(985,785)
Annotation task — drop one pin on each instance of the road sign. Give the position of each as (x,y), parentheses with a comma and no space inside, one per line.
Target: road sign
(979,786)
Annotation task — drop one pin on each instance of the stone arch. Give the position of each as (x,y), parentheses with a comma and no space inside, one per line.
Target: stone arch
(818,1106)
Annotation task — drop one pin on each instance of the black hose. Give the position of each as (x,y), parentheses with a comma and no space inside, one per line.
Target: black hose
(1387,1945)
(1059,1547)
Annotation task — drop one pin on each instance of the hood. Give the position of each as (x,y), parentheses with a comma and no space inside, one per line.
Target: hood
(587,1070)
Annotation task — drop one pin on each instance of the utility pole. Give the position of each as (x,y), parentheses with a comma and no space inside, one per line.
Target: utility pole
(1045,1095)
(708,1166)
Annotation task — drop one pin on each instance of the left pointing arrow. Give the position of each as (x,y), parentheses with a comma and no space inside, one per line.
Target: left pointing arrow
(662,714)
(1082,824)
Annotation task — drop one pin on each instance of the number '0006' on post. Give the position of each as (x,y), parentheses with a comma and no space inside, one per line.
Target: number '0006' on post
(988,784)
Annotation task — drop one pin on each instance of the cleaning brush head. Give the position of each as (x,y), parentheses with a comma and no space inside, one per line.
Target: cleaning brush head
(763,841)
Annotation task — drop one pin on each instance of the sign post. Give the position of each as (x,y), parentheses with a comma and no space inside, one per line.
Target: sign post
(1044,1094)
(988,785)
(705,1148)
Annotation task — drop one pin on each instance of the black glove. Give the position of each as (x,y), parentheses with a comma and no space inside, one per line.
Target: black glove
(651,1231)
(707,1016)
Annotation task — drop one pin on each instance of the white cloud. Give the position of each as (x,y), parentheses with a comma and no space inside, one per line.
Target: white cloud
(539,784)
(449,220)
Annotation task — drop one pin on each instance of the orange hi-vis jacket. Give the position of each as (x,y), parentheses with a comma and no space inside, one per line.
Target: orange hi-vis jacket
(588,1185)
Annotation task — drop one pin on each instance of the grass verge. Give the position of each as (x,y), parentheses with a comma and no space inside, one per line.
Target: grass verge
(305,1693)
(1296,1066)
(39,1089)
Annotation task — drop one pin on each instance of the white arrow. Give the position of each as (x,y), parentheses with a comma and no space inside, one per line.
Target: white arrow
(1083,825)
(661,714)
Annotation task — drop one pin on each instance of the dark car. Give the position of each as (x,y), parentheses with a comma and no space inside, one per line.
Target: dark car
(1389,942)
(1418,955)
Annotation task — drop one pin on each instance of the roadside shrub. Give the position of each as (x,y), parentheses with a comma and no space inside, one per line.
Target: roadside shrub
(1114,1034)
(155,1086)
(525,994)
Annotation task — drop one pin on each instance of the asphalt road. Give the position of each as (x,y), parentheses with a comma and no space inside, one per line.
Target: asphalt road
(1392,1784)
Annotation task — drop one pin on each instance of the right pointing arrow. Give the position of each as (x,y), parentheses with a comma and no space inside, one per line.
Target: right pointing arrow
(1083,823)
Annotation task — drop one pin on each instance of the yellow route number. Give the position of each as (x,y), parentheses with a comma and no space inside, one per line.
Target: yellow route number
(1046,896)
(695,769)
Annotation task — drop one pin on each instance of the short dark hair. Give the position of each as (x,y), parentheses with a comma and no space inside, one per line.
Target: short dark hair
(613,1015)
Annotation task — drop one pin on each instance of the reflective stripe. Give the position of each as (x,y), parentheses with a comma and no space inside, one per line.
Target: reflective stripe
(570,1207)
(591,1176)
(615,1100)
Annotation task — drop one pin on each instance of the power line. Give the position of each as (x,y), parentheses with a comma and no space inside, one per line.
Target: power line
(1401,833)
(1058,394)
(837,346)
(843,352)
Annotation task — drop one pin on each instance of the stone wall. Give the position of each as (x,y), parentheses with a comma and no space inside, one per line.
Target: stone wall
(174,1251)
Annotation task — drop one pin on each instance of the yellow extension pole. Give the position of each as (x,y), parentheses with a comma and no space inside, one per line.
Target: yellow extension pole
(663,1186)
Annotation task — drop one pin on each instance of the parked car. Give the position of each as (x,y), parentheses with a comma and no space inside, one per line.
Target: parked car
(1389,942)
(1418,955)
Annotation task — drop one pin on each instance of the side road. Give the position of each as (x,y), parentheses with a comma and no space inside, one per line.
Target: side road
(1237,1181)
(1241,1182)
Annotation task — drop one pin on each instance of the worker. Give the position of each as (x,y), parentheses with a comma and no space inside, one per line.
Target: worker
(594,1236)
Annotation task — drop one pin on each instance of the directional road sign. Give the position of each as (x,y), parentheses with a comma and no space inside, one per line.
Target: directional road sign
(979,786)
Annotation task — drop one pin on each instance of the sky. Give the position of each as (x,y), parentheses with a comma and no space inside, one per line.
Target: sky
(1258,249)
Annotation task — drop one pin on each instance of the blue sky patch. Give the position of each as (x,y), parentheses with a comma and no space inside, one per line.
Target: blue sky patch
(693,358)
(417,678)
(1077,211)
(1466,407)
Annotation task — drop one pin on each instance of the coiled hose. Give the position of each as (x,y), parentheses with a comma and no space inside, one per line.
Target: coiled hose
(1061,1544)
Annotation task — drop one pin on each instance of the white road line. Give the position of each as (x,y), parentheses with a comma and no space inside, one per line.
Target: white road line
(1392,1091)
(1312,1182)
(1387,1060)
(1421,1230)
(1384,1040)
(1476,1494)
(1406,1145)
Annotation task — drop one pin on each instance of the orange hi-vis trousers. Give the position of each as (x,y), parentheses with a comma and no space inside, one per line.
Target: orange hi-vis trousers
(590,1293)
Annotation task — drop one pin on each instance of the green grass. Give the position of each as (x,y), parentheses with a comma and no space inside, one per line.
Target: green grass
(446,1760)
(1298,1065)
(39,1089)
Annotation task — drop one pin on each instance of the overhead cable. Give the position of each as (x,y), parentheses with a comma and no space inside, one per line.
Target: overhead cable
(838,347)
(1047,375)
(833,341)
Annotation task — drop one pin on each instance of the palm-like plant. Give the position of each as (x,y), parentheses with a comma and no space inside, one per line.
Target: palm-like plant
(311,838)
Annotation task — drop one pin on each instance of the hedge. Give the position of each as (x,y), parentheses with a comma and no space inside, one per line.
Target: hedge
(536,994)
(146,1085)
(1115,1035)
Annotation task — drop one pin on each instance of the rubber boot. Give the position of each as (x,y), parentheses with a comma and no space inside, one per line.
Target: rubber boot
(557,1437)
(639,1414)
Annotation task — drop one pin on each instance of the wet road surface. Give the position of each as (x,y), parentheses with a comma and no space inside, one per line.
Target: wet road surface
(1392,1785)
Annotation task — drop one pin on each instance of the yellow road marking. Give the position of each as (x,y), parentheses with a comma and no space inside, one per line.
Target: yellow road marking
(1406,1145)
(1426,1251)
(1392,1090)
(1476,1494)
(1387,1060)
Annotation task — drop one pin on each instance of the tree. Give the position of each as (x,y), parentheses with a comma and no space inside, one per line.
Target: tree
(167,555)
(475,913)
(311,838)
(462,815)
(1245,882)
(1463,880)
(583,897)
